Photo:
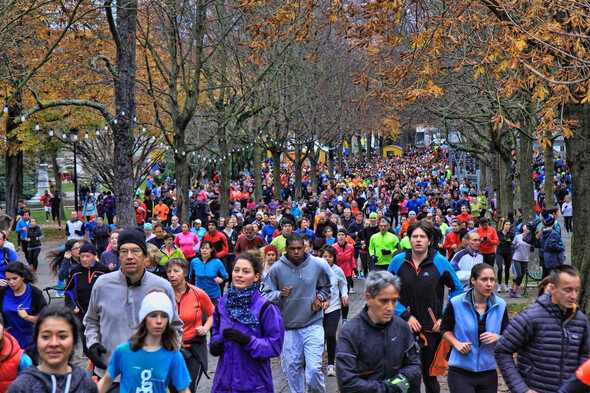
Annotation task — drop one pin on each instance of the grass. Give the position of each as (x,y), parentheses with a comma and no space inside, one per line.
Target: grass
(516,308)
(51,233)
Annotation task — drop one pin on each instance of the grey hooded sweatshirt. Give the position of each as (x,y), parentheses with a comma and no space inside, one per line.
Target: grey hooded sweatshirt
(309,279)
(34,380)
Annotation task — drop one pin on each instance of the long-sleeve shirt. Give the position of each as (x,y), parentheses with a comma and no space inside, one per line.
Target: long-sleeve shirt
(188,243)
(488,247)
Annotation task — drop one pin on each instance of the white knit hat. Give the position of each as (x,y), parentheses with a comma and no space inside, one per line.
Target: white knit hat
(155,301)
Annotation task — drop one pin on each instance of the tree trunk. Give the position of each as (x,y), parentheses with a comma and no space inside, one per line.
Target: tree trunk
(126,20)
(549,184)
(14,163)
(507,192)
(495,180)
(340,160)
(297,164)
(330,162)
(313,174)
(525,165)
(369,144)
(360,148)
(380,146)
(276,174)
(181,173)
(350,152)
(58,188)
(578,152)
(256,157)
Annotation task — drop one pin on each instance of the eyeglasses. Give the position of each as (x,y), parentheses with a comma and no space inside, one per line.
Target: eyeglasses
(133,251)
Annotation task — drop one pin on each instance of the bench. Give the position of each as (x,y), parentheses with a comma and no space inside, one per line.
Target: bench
(533,275)
(56,288)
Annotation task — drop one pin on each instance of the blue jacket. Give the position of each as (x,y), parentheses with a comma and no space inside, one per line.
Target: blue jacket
(246,368)
(551,248)
(480,358)
(550,345)
(19,228)
(414,205)
(423,289)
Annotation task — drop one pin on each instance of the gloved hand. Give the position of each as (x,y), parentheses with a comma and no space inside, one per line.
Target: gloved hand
(236,336)
(400,383)
(385,252)
(374,259)
(216,348)
(94,353)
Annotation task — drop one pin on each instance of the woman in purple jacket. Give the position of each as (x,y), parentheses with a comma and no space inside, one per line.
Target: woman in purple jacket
(247,331)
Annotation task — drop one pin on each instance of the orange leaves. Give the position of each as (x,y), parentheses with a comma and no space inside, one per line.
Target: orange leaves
(499,120)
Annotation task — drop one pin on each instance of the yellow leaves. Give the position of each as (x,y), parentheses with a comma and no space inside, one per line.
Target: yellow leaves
(479,72)
(586,97)
(540,93)
(333,18)
(520,45)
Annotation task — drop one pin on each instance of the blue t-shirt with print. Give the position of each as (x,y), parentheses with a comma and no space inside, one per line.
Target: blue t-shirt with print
(20,329)
(144,371)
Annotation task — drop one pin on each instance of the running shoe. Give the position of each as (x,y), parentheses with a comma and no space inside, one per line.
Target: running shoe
(331,371)
(499,288)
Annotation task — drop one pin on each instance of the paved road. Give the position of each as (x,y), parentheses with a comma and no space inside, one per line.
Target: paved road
(357,302)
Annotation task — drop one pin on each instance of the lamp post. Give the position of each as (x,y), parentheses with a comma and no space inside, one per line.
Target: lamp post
(74,138)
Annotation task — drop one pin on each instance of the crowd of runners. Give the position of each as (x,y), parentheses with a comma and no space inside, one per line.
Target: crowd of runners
(150,303)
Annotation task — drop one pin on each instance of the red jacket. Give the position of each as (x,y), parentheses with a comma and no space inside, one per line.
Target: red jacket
(450,239)
(9,360)
(219,243)
(345,258)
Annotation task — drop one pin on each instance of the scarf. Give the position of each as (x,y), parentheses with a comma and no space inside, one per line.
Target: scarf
(237,305)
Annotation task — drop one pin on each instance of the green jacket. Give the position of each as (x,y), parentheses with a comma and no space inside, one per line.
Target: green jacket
(381,242)
(176,253)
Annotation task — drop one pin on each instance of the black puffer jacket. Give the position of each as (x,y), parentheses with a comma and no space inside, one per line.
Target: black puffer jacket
(368,353)
(550,345)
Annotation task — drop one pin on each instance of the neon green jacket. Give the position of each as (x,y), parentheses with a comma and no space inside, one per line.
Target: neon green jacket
(380,242)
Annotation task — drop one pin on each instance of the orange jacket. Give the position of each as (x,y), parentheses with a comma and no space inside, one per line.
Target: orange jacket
(488,247)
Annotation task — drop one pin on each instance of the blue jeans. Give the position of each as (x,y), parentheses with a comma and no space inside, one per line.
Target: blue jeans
(305,343)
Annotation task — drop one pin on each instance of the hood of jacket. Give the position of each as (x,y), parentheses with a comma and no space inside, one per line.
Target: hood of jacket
(57,383)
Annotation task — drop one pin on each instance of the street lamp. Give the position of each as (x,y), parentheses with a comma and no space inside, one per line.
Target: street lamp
(74,138)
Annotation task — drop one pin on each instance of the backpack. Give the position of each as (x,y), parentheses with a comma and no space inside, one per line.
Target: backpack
(530,237)
(201,211)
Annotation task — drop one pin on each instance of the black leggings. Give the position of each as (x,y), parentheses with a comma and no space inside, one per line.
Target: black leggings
(463,381)
(330,326)
(350,284)
(25,247)
(569,223)
(33,257)
(521,270)
(364,263)
(507,258)
(426,357)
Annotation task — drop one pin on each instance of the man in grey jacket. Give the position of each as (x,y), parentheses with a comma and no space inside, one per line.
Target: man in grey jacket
(116,298)
(375,350)
(298,284)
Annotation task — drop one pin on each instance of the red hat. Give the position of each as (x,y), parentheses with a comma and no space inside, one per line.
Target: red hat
(271,248)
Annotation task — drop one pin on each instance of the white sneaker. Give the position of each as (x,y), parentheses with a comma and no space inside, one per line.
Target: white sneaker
(499,288)
(504,288)
(331,372)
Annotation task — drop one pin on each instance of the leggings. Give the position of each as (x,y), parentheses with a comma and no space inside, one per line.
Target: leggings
(463,381)
(568,224)
(521,268)
(330,326)
(345,309)
(426,357)
(25,247)
(365,262)
(507,258)
(33,257)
